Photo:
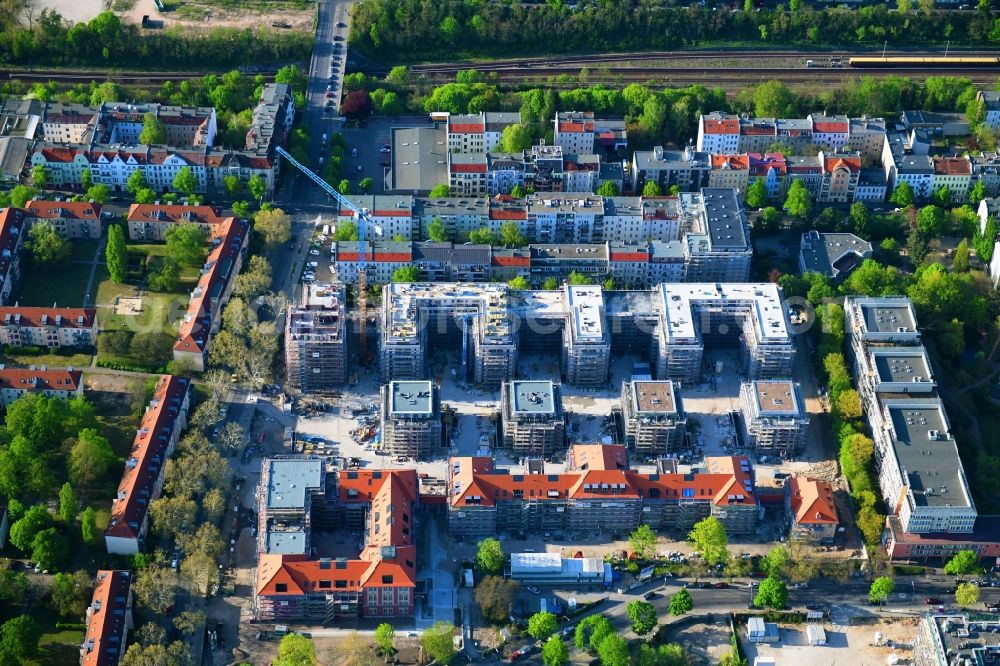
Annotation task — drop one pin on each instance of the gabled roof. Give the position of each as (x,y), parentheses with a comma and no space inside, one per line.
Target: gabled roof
(107,625)
(61,317)
(55,210)
(849,162)
(597,457)
(146,460)
(174,214)
(812,501)
(721,125)
(28,379)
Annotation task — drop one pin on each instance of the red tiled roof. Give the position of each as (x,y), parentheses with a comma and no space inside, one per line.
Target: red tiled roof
(597,457)
(194,329)
(636,255)
(508,260)
(146,460)
(724,484)
(576,128)
(725,126)
(35,317)
(174,213)
(831,128)
(54,210)
(812,501)
(736,162)
(952,166)
(468,168)
(466,128)
(508,214)
(390,213)
(850,163)
(756,129)
(53,379)
(107,625)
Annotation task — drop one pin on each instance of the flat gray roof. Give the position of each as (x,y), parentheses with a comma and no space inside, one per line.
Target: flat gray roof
(419,158)
(533,397)
(289,480)
(924,448)
(833,253)
(411,398)
(883,317)
(285,542)
(776,397)
(724,219)
(653,397)
(899,364)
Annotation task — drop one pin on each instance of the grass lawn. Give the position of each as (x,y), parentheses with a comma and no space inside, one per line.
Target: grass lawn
(42,286)
(160,312)
(56,360)
(58,647)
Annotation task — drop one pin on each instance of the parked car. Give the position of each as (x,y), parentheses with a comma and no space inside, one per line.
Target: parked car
(932,601)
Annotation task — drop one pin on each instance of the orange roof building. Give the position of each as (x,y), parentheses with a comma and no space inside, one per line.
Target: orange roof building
(48,327)
(485,501)
(292,585)
(155,439)
(811,509)
(65,383)
(109,619)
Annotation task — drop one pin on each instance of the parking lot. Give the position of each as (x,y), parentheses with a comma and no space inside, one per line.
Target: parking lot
(367,141)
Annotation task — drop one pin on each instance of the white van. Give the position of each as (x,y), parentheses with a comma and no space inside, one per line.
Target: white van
(326,229)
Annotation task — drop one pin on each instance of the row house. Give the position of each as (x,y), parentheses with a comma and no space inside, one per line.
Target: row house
(272,119)
(52,328)
(840,178)
(108,620)
(484,500)
(772,170)
(581,132)
(158,433)
(389,215)
(68,123)
(13,228)
(382,258)
(570,218)
(221,162)
(955,173)
(986,169)
(150,222)
(720,133)
(467,173)
(872,186)
(71,219)
(460,216)
(478,132)
(686,169)
(63,383)
(119,122)
(731,171)
(380,582)
(228,249)
(901,164)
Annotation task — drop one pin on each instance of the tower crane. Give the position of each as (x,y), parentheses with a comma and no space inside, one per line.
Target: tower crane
(363,219)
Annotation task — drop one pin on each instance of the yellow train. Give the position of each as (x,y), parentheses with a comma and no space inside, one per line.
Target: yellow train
(957,62)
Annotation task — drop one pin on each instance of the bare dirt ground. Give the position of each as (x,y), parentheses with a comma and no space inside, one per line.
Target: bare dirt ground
(209,15)
(705,642)
(71,10)
(845,644)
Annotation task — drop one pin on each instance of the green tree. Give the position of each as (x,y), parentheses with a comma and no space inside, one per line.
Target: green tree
(39,177)
(70,593)
(274,226)
(366,184)
(89,459)
(756,194)
(440,191)
(232,185)
(977,192)
(49,549)
(185,182)
(47,246)
(385,637)
(542,625)
(98,193)
(963,562)
(590,631)
(406,274)
(967,594)
(494,596)
(517,192)
(20,195)
(960,261)
(770,219)
(941,196)
(147,196)
(136,182)
(608,188)
(859,218)
(482,236)
(902,196)
(670,654)
(880,589)
(643,616)
(651,189)
(519,283)
(681,602)
(554,652)
(930,221)
(344,187)
(772,593)
(951,338)
(774,563)
(613,651)
(154,132)
(295,650)
(86,179)
(115,254)
(186,244)
(257,187)
(23,531)
(88,526)
(437,231)
(550,284)
(490,557)
(511,236)
(19,638)
(346,231)
(643,541)
(68,504)
(709,537)
(438,642)
(798,201)
(515,138)
(773,99)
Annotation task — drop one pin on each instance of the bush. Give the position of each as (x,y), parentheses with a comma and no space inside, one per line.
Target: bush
(23,351)
(71,626)
(127,366)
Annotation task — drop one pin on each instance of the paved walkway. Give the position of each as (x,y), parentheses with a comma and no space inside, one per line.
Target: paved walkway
(88,298)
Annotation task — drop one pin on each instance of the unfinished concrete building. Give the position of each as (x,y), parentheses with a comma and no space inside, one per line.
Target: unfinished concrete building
(774,416)
(316,339)
(289,492)
(586,350)
(532,417)
(475,318)
(411,418)
(751,315)
(653,415)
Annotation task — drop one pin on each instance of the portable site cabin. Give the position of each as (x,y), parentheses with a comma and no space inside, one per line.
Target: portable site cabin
(816,634)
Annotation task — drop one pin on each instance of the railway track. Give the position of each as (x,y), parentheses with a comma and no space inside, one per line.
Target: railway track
(71,77)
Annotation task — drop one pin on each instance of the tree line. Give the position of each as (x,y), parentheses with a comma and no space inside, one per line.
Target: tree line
(413,30)
(105,41)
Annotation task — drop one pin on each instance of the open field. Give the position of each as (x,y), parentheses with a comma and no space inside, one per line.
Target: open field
(845,644)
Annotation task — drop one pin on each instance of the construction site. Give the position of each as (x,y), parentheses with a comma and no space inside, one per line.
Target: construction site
(316,351)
